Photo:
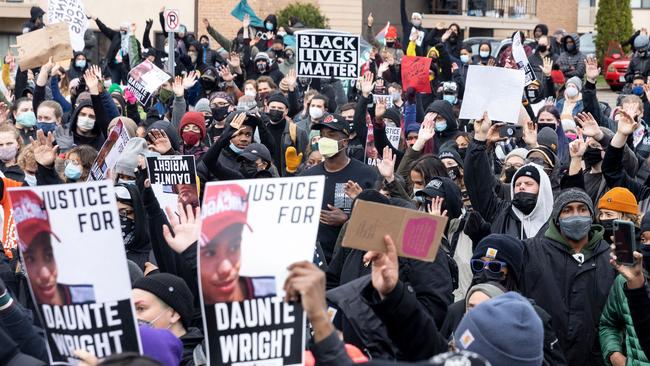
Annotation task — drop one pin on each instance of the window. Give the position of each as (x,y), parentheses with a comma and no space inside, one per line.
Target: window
(640,4)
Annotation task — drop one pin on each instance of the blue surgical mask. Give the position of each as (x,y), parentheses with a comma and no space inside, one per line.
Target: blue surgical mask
(46,127)
(80,64)
(269,26)
(451,99)
(235,149)
(26,119)
(638,90)
(441,126)
(72,171)
(30,180)
(126,181)
(464,58)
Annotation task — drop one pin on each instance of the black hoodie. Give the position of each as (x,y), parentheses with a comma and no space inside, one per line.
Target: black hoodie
(76,72)
(139,250)
(264,44)
(35,13)
(444,109)
(67,138)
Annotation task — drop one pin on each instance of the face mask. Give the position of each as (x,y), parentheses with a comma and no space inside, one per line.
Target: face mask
(484,54)
(525,202)
(552,126)
(219,113)
(464,58)
(453,172)
(451,99)
(248,169)
(441,126)
(276,115)
(462,151)
(645,250)
(542,48)
(571,92)
(570,47)
(8,153)
(235,149)
(509,173)
(486,276)
(269,26)
(282,33)
(328,147)
(592,156)
(30,180)
(390,44)
(193,56)
(261,67)
(315,112)
(85,123)
(416,22)
(46,127)
(190,138)
(396,96)
(609,230)
(637,90)
(128,231)
(72,171)
(80,64)
(26,119)
(250,93)
(150,323)
(165,95)
(575,227)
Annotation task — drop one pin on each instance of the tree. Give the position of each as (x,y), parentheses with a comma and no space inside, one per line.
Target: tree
(308,14)
(613,23)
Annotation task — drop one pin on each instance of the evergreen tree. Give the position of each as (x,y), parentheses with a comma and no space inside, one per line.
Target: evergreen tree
(613,23)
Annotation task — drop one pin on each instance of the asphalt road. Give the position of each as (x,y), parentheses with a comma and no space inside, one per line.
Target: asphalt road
(605,94)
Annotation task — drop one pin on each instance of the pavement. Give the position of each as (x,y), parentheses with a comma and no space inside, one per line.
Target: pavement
(605,94)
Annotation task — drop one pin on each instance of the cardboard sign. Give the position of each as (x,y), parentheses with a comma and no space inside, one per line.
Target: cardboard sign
(109,153)
(496,90)
(73,13)
(416,234)
(415,73)
(393,134)
(519,55)
(323,54)
(386,98)
(67,234)
(257,227)
(35,48)
(173,180)
(145,79)
(172,20)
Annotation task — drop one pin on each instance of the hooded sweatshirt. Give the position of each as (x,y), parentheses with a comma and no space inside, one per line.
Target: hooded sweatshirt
(444,109)
(531,223)
(575,58)
(66,138)
(138,250)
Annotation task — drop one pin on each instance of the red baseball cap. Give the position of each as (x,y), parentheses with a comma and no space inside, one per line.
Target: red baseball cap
(30,216)
(223,205)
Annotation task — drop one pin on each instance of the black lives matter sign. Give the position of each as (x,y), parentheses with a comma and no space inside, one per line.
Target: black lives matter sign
(327,55)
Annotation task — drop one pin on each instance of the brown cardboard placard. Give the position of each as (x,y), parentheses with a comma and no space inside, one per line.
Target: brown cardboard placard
(415,234)
(35,48)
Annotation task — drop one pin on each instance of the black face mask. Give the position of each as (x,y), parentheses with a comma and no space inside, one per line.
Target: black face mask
(571,47)
(453,172)
(208,84)
(525,202)
(592,156)
(248,169)
(276,115)
(542,48)
(462,151)
(390,44)
(128,231)
(486,276)
(510,172)
(645,250)
(609,230)
(552,126)
(219,113)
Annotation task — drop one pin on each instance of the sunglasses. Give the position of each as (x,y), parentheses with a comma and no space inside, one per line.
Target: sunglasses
(479,265)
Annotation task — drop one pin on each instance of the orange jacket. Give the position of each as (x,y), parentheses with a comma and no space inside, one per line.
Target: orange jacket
(9,241)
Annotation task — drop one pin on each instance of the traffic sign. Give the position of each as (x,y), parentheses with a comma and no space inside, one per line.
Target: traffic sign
(172,20)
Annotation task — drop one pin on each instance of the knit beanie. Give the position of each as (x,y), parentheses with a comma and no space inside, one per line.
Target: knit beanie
(548,154)
(451,154)
(278,97)
(203,106)
(570,195)
(504,248)
(115,88)
(527,171)
(173,291)
(619,199)
(547,137)
(520,338)
(575,81)
(161,345)
(487,288)
(645,222)
(193,118)
(394,115)
(128,160)
(135,272)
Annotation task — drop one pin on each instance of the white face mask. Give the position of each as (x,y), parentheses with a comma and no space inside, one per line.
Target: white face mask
(315,112)
(85,123)
(484,54)
(571,92)
(250,93)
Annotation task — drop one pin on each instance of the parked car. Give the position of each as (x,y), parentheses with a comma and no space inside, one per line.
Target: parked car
(615,65)
(587,44)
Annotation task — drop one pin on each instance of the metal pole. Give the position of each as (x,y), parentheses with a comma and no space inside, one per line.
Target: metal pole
(171,45)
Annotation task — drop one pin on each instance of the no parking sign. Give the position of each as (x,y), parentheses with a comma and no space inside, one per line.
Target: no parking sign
(172,20)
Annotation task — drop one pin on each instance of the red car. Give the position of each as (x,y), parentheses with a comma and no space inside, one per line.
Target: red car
(615,66)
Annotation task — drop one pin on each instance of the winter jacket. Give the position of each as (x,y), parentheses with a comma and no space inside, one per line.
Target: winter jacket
(573,293)
(574,59)
(116,42)
(445,110)
(138,250)
(503,216)
(638,65)
(617,332)
(300,141)
(616,177)
(638,301)
(67,137)
(191,340)
(577,108)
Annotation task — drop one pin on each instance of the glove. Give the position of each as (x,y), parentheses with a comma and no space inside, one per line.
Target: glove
(476,227)
(292,159)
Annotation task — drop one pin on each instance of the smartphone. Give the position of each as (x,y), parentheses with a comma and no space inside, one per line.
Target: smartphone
(625,241)
(509,130)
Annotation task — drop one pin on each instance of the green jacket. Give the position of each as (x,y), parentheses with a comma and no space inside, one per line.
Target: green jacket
(616,325)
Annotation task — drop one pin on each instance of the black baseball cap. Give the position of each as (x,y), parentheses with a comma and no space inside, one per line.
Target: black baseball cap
(335,122)
(255,151)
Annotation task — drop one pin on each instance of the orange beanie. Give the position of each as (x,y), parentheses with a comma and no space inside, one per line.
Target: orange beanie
(619,199)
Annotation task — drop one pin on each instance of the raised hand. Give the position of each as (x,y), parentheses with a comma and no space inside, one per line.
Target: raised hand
(382,68)
(367,84)
(291,79)
(186,227)
(177,86)
(547,66)
(149,23)
(592,71)
(225,74)
(238,121)
(577,147)
(4,112)
(247,21)
(385,268)
(454,67)
(159,141)
(44,148)
(387,165)
(134,27)
(352,189)
(190,79)
(530,134)
(97,71)
(206,22)
(427,128)
(481,127)
(589,125)
(234,60)
(371,20)
(380,108)
(435,208)
(626,124)
(92,82)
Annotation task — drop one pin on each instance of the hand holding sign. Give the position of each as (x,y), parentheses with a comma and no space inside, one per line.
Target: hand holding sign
(385,268)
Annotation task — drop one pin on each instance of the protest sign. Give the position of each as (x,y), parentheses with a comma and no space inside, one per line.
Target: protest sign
(415,73)
(323,54)
(173,180)
(521,59)
(71,12)
(35,48)
(65,232)
(393,134)
(109,153)
(415,234)
(496,90)
(144,79)
(255,228)
(385,98)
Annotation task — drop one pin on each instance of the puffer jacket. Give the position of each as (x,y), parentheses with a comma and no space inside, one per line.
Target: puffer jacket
(617,332)
(572,63)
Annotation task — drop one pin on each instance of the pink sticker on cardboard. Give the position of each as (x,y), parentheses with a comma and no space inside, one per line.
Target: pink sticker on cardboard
(418,236)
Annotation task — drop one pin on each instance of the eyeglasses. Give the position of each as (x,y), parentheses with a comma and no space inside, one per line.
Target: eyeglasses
(479,265)
(125,212)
